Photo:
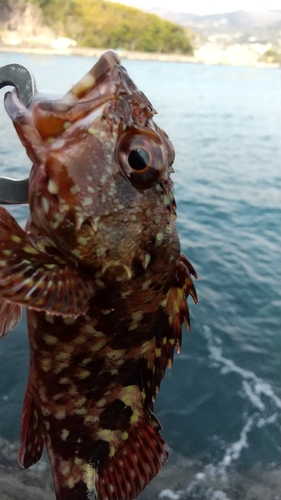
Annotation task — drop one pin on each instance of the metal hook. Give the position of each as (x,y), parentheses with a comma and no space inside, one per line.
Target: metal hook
(15,191)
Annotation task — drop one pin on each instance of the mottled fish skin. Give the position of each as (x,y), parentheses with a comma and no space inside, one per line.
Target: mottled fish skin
(100,272)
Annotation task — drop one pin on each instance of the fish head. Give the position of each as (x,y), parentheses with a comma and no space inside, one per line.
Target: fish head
(100,187)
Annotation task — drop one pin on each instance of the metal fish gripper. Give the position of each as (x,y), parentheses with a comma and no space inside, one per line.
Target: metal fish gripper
(15,191)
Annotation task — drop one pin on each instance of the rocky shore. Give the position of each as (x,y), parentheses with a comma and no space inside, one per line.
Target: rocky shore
(180,479)
(234,55)
(19,484)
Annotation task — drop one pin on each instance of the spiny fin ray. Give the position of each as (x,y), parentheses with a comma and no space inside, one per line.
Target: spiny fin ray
(175,313)
(33,278)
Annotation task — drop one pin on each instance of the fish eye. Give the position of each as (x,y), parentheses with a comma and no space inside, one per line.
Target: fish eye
(139,159)
(142,159)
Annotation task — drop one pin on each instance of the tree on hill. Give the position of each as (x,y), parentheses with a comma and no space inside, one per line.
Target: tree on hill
(102,24)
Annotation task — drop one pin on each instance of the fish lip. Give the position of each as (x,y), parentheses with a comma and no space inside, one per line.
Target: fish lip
(107,61)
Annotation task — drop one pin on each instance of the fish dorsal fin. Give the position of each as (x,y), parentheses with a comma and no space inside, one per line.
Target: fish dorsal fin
(175,312)
(176,307)
(34,278)
(10,315)
(32,439)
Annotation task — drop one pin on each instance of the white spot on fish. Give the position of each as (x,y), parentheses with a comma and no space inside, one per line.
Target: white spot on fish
(74,189)
(87,201)
(99,344)
(46,204)
(30,249)
(100,251)
(52,187)
(79,340)
(159,239)
(89,329)
(91,478)
(83,374)
(15,238)
(86,361)
(80,402)
(60,414)
(80,411)
(83,240)
(64,434)
(45,364)
(64,380)
(73,391)
(50,339)
(62,355)
(49,318)
(69,321)
(147,260)
(58,144)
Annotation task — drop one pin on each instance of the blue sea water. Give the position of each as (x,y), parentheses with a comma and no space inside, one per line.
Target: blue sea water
(220,405)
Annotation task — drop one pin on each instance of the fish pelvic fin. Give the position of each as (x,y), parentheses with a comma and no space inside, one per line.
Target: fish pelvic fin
(32,438)
(10,315)
(36,279)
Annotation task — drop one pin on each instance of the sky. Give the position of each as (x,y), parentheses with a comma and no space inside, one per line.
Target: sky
(205,6)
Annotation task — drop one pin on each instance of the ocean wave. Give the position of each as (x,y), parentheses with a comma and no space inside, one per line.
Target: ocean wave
(253,386)
(220,481)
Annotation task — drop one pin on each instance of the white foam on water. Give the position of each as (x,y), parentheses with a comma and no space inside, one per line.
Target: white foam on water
(252,396)
(260,394)
(167,493)
(219,495)
(213,481)
(210,483)
(254,387)
(234,450)
(272,419)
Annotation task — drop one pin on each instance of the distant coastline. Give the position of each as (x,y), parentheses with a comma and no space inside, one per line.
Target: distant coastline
(207,57)
(95,52)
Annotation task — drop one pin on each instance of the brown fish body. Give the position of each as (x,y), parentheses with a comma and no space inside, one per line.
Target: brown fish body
(100,271)
(93,381)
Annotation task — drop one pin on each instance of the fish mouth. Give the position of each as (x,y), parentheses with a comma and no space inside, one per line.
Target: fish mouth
(107,61)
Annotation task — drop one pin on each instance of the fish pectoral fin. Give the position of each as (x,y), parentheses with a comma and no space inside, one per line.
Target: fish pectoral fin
(36,279)
(10,315)
(32,438)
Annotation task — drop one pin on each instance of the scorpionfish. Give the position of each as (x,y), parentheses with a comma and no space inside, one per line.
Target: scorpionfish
(99,269)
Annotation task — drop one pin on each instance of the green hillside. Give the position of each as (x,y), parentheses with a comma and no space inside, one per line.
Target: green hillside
(102,24)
